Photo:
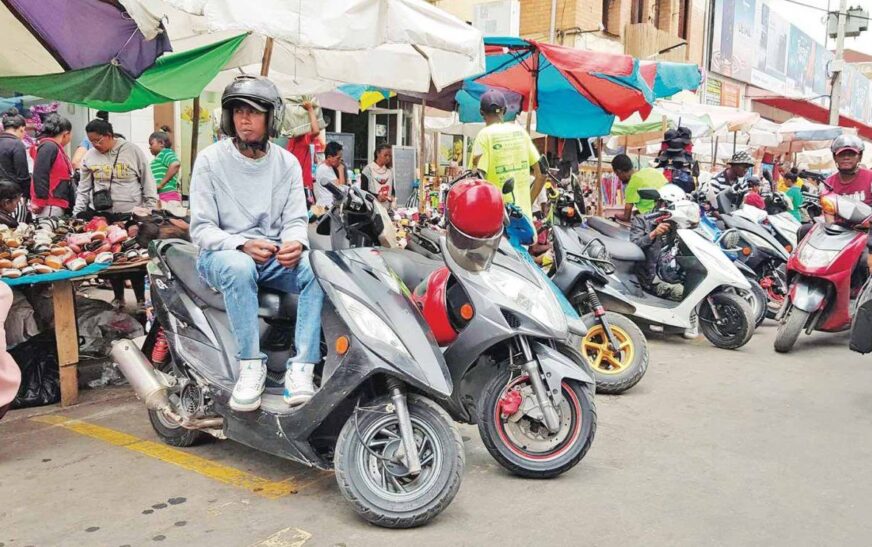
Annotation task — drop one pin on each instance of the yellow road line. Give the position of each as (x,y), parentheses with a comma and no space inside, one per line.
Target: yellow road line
(202,466)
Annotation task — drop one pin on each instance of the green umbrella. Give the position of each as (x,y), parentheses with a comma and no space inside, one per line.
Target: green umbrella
(173,77)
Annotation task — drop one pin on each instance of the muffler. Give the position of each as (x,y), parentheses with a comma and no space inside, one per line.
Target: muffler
(141,374)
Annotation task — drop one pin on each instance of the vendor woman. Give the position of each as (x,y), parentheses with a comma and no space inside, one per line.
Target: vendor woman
(116,179)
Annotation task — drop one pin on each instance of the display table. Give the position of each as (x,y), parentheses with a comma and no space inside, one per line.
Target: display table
(66,329)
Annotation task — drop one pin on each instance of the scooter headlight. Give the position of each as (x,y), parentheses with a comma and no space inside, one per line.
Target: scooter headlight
(816,258)
(371,325)
(538,302)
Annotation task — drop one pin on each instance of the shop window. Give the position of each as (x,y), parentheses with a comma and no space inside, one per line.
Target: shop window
(637,11)
(684,19)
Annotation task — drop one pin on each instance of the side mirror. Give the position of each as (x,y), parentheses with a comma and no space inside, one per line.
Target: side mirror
(509,186)
(649,193)
(335,190)
(543,164)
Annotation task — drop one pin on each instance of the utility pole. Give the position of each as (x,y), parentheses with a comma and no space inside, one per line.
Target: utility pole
(552,34)
(838,64)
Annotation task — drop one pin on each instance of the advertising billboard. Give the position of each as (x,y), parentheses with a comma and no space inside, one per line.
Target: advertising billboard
(753,44)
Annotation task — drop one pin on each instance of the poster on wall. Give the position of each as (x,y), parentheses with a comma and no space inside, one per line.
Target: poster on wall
(713,91)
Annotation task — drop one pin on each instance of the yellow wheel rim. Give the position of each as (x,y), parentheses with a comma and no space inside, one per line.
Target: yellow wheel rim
(595,346)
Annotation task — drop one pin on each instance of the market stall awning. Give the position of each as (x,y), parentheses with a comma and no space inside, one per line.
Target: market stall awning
(107,87)
(813,112)
(48,36)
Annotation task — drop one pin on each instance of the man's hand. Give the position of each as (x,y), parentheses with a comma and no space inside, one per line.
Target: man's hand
(289,254)
(661,229)
(260,250)
(308,105)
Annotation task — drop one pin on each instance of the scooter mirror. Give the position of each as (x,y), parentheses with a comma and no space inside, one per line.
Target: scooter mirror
(335,190)
(649,193)
(509,186)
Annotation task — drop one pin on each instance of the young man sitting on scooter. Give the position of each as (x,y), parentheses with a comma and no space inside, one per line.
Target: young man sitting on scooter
(248,216)
(850,180)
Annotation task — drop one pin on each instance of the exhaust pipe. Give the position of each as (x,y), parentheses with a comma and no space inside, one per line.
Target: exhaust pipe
(141,374)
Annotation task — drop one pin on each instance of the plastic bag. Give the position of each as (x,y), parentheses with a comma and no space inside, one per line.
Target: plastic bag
(40,380)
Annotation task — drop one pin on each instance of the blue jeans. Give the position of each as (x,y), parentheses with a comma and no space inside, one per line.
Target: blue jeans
(237,277)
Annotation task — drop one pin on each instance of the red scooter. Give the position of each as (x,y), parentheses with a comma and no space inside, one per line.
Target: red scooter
(825,273)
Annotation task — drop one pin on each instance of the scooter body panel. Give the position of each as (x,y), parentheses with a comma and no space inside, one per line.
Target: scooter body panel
(832,278)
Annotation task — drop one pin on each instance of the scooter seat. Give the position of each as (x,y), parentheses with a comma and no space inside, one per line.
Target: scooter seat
(618,249)
(609,228)
(182,260)
(411,267)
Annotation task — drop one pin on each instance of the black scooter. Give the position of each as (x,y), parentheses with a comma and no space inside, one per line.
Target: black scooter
(514,373)
(375,419)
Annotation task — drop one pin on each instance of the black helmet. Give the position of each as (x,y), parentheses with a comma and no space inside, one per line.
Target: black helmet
(257,92)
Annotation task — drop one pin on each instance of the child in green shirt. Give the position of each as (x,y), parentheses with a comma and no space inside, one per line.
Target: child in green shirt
(165,166)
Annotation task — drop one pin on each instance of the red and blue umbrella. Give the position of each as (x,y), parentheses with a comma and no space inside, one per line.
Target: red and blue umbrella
(575,93)
(50,36)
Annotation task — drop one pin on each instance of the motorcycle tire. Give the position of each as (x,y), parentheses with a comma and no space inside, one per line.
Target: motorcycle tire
(384,500)
(758,300)
(736,310)
(170,432)
(579,428)
(791,326)
(614,374)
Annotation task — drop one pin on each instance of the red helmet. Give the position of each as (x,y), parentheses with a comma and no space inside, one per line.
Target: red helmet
(475,223)
(432,299)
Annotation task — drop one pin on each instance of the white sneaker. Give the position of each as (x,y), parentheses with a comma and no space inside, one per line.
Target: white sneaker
(249,386)
(299,385)
(693,331)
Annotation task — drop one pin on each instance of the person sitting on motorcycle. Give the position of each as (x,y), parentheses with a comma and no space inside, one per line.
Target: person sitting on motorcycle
(732,177)
(248,216)
(653,238)
(850,180)
(753,197)
(635,181)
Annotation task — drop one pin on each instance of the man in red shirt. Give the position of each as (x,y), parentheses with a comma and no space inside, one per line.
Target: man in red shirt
(850,180)
(300,147)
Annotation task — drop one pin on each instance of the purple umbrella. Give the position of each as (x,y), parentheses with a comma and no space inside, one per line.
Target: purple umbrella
(47,36)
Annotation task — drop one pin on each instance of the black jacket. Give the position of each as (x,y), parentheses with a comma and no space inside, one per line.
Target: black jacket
(13,162)
(640,227)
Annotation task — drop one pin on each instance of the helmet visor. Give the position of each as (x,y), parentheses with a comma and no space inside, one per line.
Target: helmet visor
(472,253)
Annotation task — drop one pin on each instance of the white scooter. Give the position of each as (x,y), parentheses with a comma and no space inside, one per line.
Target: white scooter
(711,281)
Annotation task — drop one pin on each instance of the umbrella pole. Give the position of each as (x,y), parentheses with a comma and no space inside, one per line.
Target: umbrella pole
(267,57)
(531,105)
(735,134)
(422,187)
(599,176)
(195,131)
(715,152)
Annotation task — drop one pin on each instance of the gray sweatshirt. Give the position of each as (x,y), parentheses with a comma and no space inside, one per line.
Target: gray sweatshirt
(234,198)
(132,186)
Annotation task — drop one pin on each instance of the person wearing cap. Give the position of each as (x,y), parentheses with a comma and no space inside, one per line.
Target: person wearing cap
(504,151)
(734,175)
(635,180)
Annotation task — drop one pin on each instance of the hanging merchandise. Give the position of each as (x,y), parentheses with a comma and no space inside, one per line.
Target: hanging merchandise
(676,158)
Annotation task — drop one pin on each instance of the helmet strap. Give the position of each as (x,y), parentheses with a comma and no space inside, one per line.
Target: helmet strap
(258,146)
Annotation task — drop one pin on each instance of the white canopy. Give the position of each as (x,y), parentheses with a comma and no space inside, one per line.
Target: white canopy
(404,45)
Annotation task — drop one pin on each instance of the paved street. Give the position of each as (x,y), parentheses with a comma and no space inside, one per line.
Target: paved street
(713,447)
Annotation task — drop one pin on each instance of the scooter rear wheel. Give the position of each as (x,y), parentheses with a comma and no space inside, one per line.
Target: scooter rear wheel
(525,446)
(789,329)
(169,431)
(370,472)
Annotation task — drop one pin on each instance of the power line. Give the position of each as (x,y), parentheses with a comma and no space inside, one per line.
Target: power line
(825,10)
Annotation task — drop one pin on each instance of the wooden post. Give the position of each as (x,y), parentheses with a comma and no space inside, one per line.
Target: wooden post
(267,57)
(715,152)
(67,339)
(735,134)
(195,131)
(599,176)
(422,187)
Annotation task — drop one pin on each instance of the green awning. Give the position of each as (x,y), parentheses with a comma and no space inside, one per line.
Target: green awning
(173,77)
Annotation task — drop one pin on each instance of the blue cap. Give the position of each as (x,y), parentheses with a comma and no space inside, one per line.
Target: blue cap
(493,101)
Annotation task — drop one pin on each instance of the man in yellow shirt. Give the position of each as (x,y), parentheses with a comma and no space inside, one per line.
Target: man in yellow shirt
(648,177)
(505,151)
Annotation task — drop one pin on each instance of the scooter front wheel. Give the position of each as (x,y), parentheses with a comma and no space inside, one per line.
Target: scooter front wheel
(370,468)
(789,329)
(726,320)
(519,440)
(614,371)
